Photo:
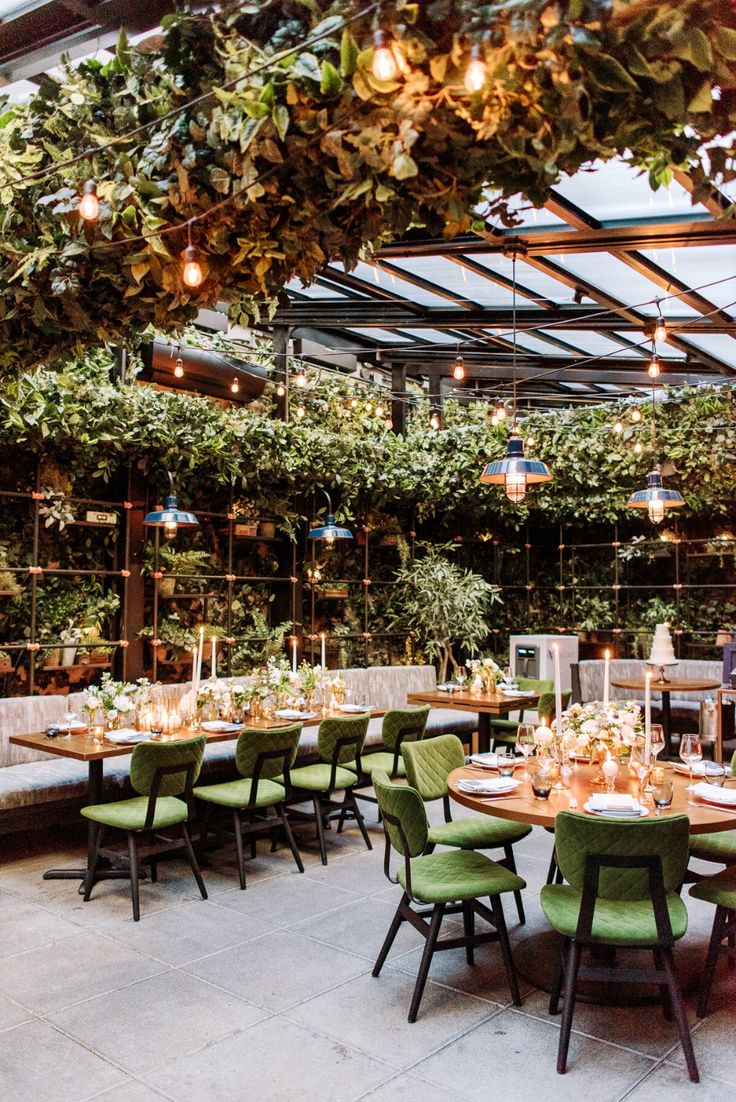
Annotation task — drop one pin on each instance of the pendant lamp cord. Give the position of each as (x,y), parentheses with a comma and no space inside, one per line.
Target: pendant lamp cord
(513,327)
(654,429)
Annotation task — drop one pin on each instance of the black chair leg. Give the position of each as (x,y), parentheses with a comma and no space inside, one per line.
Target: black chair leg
(552,870)
(429,945)
(469,928)
(153,866)
(93,860)
(320,829)
(134,893)
(237,826)
(678,1009)
(510,862)
(359,818)
(568,1006)
(714,949)
(290,837)
(390,936)
(731,927)
(192,859)
(554,995)
(503,940)
(664,991)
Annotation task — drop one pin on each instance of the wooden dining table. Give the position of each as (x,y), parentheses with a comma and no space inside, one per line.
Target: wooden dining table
(82,746)
(537,956)
(667,688)
(485,705)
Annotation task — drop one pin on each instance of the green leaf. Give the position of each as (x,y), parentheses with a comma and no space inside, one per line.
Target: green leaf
(330,80)
(725,38)
(348,54)
(702,101)
(281,119)
(610,74)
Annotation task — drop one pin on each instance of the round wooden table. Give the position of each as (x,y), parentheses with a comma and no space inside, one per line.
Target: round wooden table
(537,957)
(666,688)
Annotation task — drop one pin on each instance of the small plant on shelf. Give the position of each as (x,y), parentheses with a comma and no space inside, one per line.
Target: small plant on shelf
(174,637)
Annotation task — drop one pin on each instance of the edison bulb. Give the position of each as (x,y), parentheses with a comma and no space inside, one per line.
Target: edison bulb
(384,65)
(192,274)
(515,486)
(637,447)
(235,386)
(618,426)
(654,368)
(280,390)
(89,204)
(458,370)
(434,421)
(501,411)
(300,379)
(170,529)
(179,368)
(476,72)
(636,414)
(300,411)
(660,330)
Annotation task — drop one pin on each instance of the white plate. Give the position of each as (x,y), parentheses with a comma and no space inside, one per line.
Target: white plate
(127,736)
(711,796)
(643,811)
(698,768)
(355,709)
(220,727)
(502,786)
(292,713)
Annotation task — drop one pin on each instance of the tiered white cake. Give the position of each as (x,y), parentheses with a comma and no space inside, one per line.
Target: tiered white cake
(663,653)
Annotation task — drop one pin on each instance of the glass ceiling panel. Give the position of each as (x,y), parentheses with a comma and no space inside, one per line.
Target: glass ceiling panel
(697,266)
(645,346)
(531,279)
(590,343)
(456,280)
(375,277)
(719,344)
(535,344)
(615,192)
(617,279)
(381,335)
(435,335)
(316,290)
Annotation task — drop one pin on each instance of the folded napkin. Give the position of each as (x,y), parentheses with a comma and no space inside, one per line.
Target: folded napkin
(354,709)
(517,692)
(219,726)
(489,760)
(715,794)
(699,768)
(614,804)
(293,713)
(493,786)
(127,735)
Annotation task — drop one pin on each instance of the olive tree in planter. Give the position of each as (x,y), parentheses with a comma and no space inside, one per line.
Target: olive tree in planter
(445,605)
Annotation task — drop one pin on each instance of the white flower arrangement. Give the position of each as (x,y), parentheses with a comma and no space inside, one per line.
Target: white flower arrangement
(115,698)
(614,726)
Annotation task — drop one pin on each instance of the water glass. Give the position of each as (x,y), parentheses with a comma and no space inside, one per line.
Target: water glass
(714,773)
(506,762)
(542,782)
(691,752)
(663,786)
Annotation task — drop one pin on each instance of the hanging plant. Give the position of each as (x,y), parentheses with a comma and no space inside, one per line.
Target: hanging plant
(298,155)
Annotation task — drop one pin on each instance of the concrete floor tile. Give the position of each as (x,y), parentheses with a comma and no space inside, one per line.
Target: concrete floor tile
(670,1084)
(25,925)
(486,979)
(285,900)
(360,872)
(405,1088)
(514,1057)
(279,970)
(11,1013)
(370,1014)
(40,1064)
(54,976)
(361,928)
(156,1022)
(249,1066)
(132,1091)
(178,935)
(714,1042)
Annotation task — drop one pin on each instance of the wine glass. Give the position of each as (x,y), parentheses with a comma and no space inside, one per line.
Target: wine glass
(525,743)
(691,752)
(461,676)
(658,743)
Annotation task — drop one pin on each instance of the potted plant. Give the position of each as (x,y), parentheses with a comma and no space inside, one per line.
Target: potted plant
(9,586)
(444,605)
(174,637)
(246,517)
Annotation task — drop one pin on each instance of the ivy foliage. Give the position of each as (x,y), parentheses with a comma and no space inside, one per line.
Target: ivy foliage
(90,426)
(312,159)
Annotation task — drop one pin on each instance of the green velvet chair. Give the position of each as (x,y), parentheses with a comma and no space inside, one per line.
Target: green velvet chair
(623,880)
(162,772)
(339,746)
(428,764)
(504,730)
(399,725)
(719,847)
(448,882)
(721,891)
(260,757)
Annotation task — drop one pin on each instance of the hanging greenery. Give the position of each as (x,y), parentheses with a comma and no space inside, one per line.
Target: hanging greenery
(88,426)
(313,159)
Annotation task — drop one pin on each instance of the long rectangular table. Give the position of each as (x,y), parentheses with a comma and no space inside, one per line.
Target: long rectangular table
(83,747)
(485,705)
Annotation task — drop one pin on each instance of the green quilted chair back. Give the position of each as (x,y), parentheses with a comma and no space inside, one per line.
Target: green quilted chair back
(404,725)
(404,818)
(733,764)
(546,705)
(534,685)
(428,763)
(577,836)
(148,757)
(275,748)
(335,728)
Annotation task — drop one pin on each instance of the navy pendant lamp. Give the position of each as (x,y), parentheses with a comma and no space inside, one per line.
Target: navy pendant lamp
(656,498)
(171,517)
(515,472)
(329,531)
